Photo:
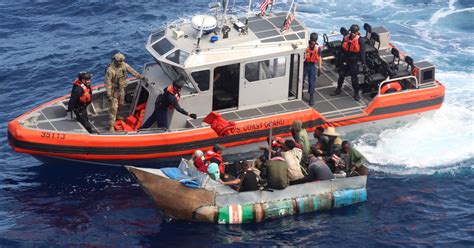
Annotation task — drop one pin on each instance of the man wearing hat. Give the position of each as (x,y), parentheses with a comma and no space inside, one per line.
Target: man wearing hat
(333,149)
(115,83)
(167,100)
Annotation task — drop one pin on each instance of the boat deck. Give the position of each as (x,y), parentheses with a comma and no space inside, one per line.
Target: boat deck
(336,106)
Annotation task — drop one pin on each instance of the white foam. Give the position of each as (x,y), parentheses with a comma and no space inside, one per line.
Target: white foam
(444,12)
(439,141)
(445,138)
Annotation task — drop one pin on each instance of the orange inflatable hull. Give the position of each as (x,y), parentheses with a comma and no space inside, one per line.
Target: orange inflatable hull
(142,147)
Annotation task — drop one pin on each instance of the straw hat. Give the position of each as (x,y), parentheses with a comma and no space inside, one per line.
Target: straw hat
(331,131)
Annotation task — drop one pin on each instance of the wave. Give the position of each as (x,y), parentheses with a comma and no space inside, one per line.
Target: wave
(430,144)
(444,12)
(442,140)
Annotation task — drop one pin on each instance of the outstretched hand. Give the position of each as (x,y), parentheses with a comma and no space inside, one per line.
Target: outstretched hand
(194,116)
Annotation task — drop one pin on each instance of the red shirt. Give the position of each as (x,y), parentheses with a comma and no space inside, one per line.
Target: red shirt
(199,164)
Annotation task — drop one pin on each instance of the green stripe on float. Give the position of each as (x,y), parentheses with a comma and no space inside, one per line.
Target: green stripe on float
(248,213)
(223,215)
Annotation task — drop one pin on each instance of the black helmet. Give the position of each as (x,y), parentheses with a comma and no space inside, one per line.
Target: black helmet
(84,75)
(178,83)
(354,28)
(344,31)
(313,37)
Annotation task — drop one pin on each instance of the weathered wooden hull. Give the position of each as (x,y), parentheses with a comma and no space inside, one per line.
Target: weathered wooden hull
(203,205)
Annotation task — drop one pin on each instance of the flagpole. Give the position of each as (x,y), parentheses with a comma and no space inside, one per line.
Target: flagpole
(289,11)
(248,12)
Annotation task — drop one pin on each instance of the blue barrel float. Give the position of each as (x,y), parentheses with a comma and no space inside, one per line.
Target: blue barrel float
(252,213)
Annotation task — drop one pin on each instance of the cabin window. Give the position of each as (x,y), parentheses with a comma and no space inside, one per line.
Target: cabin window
(266,69)
(226,80)
(177,73)
(202,79)
(178,56)
(163,46)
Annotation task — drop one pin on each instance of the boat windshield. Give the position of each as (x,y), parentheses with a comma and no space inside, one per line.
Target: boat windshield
(176,73)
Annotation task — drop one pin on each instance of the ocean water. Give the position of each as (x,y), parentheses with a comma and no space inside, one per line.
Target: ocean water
(421,187)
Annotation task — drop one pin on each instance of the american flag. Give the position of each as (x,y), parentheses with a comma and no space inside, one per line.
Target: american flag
(289,19)
(264,5)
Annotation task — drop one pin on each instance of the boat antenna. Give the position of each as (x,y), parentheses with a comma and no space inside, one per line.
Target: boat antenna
(200,35)
(248,13)
(224,16)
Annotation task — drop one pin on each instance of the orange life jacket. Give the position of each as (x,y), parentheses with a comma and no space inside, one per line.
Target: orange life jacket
(132,122)
(391,87)
(354,44)
(312,56)
(221,126)
(171,90)
(86,97)
(211,154)
(164,99)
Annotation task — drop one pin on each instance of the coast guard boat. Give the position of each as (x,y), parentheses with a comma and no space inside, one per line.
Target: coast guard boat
(247,71)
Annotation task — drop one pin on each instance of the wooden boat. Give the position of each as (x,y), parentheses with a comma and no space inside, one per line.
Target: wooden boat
(216,203)
(262,88)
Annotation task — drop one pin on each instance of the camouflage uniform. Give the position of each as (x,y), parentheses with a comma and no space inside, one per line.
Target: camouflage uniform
(115,83)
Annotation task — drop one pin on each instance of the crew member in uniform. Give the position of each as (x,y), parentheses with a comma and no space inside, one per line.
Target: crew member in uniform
(81,97)
(353,47)
(115,83)
(312,56)
(168,100)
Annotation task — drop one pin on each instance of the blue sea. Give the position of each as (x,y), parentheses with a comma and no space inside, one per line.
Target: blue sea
(421,186)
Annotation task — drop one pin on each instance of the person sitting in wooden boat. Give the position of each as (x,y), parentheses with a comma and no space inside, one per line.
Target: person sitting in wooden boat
(81,97)
(320,137)
(333,147)
(213,171)
(354,160)
(275,172)
(215,156)
(246,181)
(300,136)
(292,156)
(166,101)
(198,161)
(275,146)
(318,170)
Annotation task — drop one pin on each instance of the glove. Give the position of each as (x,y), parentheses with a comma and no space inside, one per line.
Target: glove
(319,72)
(145,79)
(194,116)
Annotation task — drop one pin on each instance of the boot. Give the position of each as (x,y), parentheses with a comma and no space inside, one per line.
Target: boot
(311,99)
(336,92)
(356,96)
